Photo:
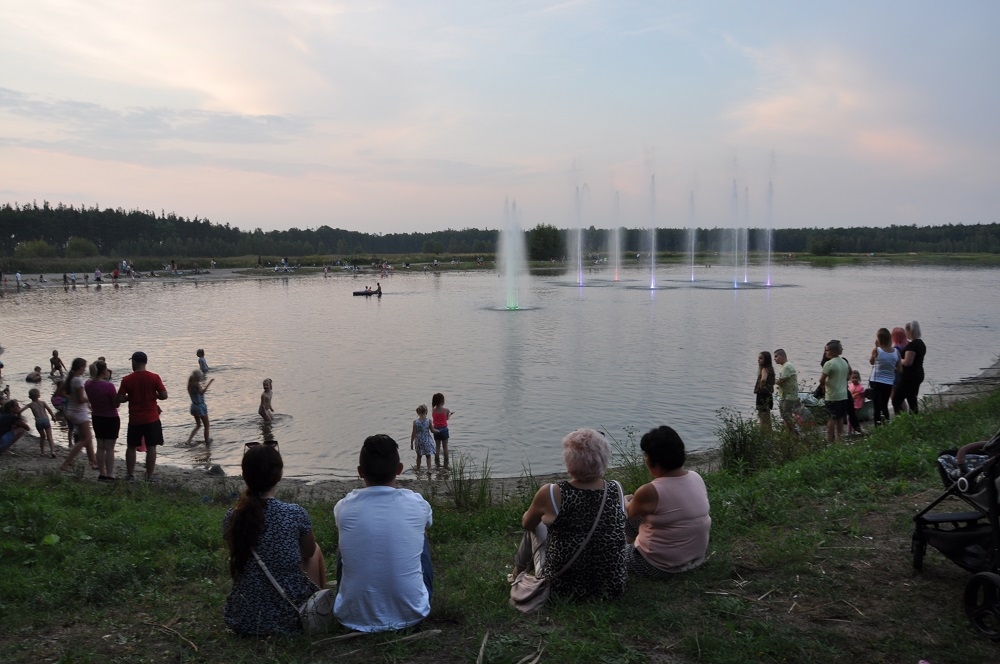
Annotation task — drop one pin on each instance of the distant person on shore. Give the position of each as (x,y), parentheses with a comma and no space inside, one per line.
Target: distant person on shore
(266,410)
(98,275)
(912,366)
(57,364)
(439,417)
(43,421)
(12,427)
(764,389)
(668,519)
(72,279)
(202,363)
(788,390)
(35,376)
(142,389)
(384,582)
(421,434)
(199,410)
(107,424)
(833,380)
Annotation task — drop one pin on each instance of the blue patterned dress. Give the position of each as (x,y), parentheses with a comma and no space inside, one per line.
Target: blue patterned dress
(425,442)
(254,606)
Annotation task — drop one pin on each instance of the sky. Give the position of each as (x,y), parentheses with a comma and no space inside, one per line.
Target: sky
(387,117)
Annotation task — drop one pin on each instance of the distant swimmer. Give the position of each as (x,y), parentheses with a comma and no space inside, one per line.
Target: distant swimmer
(378,290)
(265,410)
(35,376)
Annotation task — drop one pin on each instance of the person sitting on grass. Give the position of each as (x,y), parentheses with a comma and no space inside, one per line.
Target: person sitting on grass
(281,535)
(384,571)
(668,520)
(12,427)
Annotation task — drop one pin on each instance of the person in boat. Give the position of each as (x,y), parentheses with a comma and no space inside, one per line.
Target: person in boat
(368,289)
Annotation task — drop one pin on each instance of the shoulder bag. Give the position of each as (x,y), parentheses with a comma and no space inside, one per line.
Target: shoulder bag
(316,613)
(528,592)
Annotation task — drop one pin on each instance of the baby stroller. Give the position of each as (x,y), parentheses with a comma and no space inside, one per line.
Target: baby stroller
(971,538)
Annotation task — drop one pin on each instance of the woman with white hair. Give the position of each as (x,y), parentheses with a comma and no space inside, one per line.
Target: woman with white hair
(913,369)
(575,530)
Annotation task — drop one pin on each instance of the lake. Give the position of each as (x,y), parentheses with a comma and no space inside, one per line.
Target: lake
(608,355)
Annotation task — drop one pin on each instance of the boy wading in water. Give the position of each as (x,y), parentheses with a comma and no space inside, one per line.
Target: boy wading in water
(265,410)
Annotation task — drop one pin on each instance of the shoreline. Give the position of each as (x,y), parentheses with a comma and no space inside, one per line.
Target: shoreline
(27,461)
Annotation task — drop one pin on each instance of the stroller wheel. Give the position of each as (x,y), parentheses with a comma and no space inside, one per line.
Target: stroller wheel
(982,603)
(918,547)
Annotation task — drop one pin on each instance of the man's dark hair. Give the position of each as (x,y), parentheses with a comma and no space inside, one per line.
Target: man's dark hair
(379,459)
(664,448)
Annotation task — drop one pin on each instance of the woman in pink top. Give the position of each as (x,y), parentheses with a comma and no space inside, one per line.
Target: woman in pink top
(103,397)
(668,519)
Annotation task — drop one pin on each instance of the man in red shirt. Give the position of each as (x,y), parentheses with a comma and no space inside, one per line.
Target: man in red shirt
(141,389)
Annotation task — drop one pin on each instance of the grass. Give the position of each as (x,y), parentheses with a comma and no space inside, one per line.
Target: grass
(809,561)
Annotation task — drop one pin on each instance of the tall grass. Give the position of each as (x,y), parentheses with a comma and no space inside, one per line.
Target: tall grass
(470,483)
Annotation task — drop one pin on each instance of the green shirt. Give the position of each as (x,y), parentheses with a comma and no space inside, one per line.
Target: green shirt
(835,371)
(788,382)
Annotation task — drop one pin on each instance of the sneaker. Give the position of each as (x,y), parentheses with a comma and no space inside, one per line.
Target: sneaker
(130,478)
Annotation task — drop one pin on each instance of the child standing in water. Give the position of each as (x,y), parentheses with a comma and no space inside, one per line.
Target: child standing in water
(43,421)
(199,410)
(439,417)
(57,364)
(265,410)
(202,363)
(421,433)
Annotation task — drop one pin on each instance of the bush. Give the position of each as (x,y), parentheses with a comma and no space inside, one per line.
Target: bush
(78,247)
(748,448)
(34,249)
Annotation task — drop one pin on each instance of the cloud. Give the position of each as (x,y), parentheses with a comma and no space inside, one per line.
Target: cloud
(827,103)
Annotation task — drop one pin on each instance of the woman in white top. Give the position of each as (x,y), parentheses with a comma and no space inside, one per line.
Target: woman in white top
(885,364)
(78,414)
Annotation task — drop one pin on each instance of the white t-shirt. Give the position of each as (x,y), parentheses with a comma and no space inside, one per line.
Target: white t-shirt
(381,535)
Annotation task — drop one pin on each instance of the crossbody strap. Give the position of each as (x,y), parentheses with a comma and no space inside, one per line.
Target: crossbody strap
(274,582)
(583,545)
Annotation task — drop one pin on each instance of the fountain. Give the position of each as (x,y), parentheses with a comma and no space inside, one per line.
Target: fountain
(513,253)
(746,234)
(577,243)
(734,209)
(692,233)
(616,236)
(767,229)
(652,232)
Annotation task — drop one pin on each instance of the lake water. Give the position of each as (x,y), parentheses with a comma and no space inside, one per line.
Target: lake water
(607,355)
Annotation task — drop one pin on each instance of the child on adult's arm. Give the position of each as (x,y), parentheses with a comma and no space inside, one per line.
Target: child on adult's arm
(668,518)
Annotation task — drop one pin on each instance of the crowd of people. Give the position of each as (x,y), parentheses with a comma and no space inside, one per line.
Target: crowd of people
(897,370)
(583,534)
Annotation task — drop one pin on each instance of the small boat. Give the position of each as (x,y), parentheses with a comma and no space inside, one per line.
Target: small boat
(367,293)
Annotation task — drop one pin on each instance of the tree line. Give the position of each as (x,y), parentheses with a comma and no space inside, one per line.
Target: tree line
(33,231)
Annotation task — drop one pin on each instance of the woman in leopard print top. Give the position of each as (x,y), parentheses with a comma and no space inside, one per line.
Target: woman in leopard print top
(560,517)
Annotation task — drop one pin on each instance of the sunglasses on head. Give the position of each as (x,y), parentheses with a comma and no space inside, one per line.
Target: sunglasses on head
(269,443)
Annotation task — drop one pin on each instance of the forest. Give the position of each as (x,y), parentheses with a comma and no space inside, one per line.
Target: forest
(45,231)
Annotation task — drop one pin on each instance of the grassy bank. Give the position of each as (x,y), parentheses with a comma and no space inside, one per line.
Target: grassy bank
(809,562)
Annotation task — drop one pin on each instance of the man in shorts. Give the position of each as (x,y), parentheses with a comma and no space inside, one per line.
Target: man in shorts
(788,390)
(141,389)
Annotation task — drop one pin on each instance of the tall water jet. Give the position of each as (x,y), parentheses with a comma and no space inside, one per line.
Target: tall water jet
(746,234)
(692,232)
(652,232)
(769,226)
(734,210)
(616,236)
(513,253)
(577,242)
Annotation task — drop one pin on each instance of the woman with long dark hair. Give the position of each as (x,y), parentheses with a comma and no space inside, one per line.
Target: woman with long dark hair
(884,360)
(78,415)
(764,389)
(281,535)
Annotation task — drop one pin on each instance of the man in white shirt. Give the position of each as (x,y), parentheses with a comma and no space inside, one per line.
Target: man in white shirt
(384,573)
